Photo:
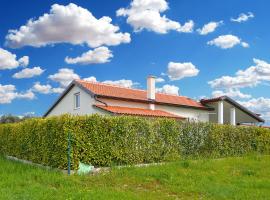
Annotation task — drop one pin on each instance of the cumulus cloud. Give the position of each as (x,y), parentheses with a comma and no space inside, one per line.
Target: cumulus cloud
(8,93)
(9,61)
(249,77)
(177,71)
(233,93)
(98,55)
(244,44)
(91,79)
(67,24)
(209,28)
(64,76)
(28,73)
(160,80)
(24,61)
(122,83)
(168,89)
(227,42)
(45,89)
(259,105)
(143,14)
(243,17)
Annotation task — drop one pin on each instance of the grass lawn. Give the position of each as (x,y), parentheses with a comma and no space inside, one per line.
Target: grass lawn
(229,178)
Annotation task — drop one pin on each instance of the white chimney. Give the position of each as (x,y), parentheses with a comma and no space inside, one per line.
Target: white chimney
(151,90)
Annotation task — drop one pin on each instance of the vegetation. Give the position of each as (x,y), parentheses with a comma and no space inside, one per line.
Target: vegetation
(4,119)
(228,178)
(108,141)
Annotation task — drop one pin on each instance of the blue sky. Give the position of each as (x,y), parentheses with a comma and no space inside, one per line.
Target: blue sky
(198,47)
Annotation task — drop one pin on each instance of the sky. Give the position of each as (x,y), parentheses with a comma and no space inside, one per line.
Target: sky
(199,49)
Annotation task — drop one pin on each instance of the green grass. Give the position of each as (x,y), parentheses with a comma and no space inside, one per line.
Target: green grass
(228,178)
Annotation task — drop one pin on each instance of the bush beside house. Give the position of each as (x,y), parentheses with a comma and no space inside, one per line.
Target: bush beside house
(105,141)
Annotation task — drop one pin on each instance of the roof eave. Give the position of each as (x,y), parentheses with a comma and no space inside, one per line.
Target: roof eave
(236,104)
(68,88)
(155,102)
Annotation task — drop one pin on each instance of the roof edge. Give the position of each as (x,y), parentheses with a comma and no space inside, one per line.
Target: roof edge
(236,104)
(63,94)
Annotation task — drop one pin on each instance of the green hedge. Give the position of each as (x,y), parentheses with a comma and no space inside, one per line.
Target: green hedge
(106,141)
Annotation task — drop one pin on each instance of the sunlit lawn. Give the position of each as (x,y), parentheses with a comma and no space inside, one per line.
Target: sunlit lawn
(229,178)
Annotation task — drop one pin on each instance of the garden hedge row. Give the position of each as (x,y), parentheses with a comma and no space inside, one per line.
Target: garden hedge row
(105,141)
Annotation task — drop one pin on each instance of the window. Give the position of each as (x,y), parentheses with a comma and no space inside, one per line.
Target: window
(77,100)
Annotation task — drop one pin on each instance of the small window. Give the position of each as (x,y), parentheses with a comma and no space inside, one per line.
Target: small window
(77,100)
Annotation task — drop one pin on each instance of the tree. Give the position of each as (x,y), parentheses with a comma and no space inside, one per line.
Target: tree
(9,119)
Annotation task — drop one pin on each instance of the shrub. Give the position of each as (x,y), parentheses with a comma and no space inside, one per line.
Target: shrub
(106,140)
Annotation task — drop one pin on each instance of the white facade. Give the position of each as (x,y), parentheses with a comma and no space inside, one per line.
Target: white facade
(67,106)
(226,113)
(223,112)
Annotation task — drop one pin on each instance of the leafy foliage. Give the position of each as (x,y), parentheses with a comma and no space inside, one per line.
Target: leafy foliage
(105,140)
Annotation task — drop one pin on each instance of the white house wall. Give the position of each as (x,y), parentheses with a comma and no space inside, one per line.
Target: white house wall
(130,104)
(189,113)
(241,117)
(66,105)
(193,114)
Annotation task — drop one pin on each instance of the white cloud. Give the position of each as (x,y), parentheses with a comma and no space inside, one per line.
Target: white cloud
(177,71)
(28,73)
(244,44)
(9,61)
(146,14)
(57,90)
(98,55)
(233,93)
(24,61)
(91,79)
(249,77)
(169,89)
(122,83)
(45,89)
(29,114)
(187,27)
(27,95)
(243,17)
(209,28)
(67,24)
(227,42)
(259,105)
(64,76)
(8,93)
(160,80)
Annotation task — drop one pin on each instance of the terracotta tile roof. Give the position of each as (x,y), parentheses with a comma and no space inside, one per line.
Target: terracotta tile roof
(112,91)
(138,111)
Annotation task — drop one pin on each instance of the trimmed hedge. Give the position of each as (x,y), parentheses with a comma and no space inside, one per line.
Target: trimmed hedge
(105,141)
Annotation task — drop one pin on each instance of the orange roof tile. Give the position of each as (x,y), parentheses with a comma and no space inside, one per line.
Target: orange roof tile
(138,111)
(112,91)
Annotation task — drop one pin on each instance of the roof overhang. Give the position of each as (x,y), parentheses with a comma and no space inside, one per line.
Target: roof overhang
(155,102)
(74,82)
(119,110)
(63,94)
(234,103)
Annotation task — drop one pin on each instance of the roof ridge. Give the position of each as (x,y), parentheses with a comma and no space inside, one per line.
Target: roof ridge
(119,86)
(109,84)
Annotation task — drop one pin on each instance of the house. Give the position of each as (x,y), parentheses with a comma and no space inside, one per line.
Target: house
(83,98)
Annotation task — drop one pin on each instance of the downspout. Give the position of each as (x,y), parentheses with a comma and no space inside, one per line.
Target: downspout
(95,97)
